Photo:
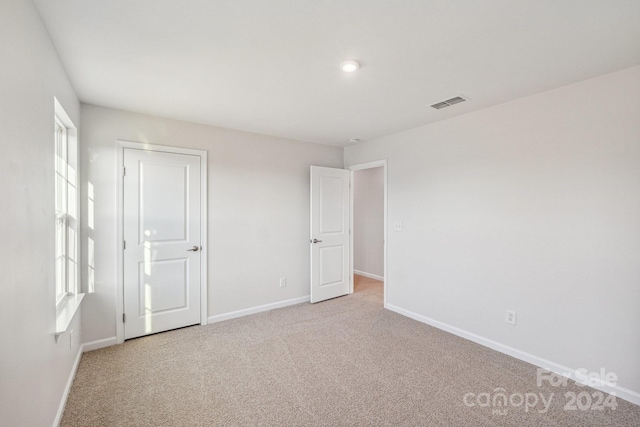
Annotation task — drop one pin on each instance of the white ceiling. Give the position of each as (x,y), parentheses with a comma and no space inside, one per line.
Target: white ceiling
(272,66)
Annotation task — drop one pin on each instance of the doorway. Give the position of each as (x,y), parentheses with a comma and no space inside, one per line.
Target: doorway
(368,225)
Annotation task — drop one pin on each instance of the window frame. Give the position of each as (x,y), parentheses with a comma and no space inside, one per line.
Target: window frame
(67,220)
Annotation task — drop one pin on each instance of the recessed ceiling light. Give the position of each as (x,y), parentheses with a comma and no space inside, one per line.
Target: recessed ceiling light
(349,66)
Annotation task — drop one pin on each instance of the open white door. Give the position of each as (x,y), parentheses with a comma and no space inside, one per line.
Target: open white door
(162,255)
(330,241)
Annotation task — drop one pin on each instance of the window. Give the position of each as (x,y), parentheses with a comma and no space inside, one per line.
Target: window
(67,220)
(66,207)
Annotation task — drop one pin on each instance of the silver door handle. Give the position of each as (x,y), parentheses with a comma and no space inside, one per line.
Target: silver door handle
(316,241)
(193,249)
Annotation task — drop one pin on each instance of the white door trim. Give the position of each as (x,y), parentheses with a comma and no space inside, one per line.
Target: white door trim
(362,166)
(120,227)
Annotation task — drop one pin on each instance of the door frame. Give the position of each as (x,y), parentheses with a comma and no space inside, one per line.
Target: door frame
(122,145)
(357,167)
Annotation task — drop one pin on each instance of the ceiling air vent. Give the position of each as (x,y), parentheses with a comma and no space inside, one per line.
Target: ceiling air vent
(448,102)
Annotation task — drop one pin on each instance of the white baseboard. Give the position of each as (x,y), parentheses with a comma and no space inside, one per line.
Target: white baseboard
(67,388)
(258,309)
(574,374)
(369,275)
(97,344)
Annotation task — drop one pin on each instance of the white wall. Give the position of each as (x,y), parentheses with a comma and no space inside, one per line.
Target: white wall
(368,221)
(533,206)
(258,209)
(34,369)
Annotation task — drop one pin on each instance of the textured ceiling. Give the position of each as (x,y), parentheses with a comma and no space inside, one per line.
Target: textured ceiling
(272,67)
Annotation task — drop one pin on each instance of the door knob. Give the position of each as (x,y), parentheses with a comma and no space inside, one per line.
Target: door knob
(316,241)
(193,249)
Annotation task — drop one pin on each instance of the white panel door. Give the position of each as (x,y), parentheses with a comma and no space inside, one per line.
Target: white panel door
(330,240)
(162,241)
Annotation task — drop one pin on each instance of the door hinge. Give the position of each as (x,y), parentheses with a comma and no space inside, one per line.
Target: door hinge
(124,244)
(124,171)
(124,317)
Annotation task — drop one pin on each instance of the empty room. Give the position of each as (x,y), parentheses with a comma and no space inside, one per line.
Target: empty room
(320,213)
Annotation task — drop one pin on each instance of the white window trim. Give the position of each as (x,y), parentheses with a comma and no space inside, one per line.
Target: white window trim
(68,302)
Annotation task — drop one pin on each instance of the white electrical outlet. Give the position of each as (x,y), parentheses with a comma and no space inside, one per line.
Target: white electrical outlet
(510,317)
(283,282)
(397,226)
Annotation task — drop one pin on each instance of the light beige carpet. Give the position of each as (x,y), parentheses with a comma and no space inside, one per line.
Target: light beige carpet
(343,362)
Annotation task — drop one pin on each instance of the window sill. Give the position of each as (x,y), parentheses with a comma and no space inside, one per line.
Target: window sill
(66,311)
